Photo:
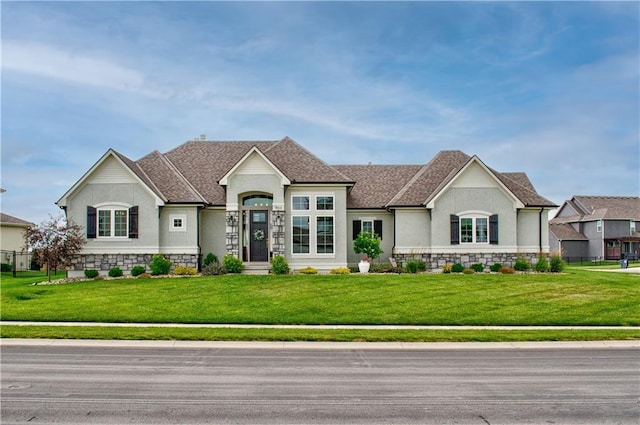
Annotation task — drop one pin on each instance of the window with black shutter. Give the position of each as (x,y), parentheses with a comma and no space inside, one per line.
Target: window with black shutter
(91,222)
(377,227)
(133,222)
(493,229)
(357,226)
(455,229)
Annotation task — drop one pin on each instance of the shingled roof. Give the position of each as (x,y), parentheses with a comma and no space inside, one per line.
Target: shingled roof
(589,208)
(566,232)
(191,173)
(10,220)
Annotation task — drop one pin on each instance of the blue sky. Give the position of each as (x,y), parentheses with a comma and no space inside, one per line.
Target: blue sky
(549,88)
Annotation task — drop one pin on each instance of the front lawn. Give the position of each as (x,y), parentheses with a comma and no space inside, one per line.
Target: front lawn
(576,298)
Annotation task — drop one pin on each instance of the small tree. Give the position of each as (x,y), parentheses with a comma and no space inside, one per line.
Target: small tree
(367,243)
(55,242)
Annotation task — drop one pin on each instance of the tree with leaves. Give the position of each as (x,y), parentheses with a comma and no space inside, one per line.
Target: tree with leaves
(55,242)
(367,243)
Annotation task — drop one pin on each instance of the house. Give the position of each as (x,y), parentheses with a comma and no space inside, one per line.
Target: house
(12,241)
(255,200)
(597,228)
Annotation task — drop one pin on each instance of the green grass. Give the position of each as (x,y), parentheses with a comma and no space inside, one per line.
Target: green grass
(333,335)
(580,297)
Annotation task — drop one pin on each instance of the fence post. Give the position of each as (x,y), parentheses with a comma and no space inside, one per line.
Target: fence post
(15,263)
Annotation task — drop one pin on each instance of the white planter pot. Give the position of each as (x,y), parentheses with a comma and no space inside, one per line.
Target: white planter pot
(363,266)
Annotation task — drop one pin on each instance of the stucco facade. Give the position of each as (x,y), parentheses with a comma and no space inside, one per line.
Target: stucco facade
(255,200)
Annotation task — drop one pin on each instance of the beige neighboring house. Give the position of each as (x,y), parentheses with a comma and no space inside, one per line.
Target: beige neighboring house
(12,239)
(258,199)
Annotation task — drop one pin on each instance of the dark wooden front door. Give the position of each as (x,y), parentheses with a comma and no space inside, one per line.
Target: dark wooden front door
(258,235)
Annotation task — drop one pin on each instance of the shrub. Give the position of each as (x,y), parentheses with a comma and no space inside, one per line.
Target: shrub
(91,273)
(308,270)
(367,243)
(159,265)
(542,265)
(279,265)
(495,267)
(210,258)
(340,270)
(6,267)
(137,270)
(468,270)
(115,272)
(415,266)
(477,267)
(557,263)
(185,271)
(213,269)
(507,270)
(457,268)
(447,268)
(522,265)
(232,264)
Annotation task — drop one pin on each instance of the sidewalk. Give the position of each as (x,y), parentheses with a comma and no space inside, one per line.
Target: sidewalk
(335,327)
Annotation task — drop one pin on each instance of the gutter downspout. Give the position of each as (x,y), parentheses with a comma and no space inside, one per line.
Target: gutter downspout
(540,231)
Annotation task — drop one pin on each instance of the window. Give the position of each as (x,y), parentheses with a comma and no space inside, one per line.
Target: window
(474,229)
(599,226)
(367,225)
(112,223)
(324,203)
(301,237)
(324,232)
(178,223)
(632,227)
(300,203)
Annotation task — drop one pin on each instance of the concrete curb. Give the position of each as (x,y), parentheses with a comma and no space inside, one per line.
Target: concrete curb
(285,345)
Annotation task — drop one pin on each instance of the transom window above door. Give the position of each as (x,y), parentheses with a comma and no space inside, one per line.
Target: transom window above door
(257,201)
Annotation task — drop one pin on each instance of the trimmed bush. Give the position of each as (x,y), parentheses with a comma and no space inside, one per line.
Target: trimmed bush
(477,267)
(415,266)
(557,263)
(210,258)
(495,267)
(6,267)
(367,243)
(447,268)
(340,270)
(308,270)
(232,264)
(91,273)
(115,272)
(542,265)
(522,265)
(159,265)
(213,269)
(279,265)
(137,271)
(468,270)
(457,268)
(185,271)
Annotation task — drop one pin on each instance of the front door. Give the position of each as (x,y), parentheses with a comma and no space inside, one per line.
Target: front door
(258,235)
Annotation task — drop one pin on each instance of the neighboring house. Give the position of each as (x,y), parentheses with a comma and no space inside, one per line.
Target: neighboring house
(597,227)
(12,241)
(255,200)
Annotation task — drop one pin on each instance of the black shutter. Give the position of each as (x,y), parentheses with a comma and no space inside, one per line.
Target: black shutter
(377,227)
(455,229)
(357,225)
(133,222)
(91,222)
(493,229)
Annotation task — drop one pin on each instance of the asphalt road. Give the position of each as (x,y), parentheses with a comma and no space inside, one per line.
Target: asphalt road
(225,384)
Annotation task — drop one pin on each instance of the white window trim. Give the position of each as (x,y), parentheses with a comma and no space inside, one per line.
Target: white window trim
(632,227)
(599,226)
(313,213)
(333,235)
(173,228)
(474,217)
(112,208)
(325,196)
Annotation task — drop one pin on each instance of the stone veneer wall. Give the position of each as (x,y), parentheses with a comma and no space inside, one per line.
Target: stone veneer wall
(436,261)
(104,262)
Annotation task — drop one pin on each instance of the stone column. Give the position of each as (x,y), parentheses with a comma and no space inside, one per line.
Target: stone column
(232,233)
(278,228)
